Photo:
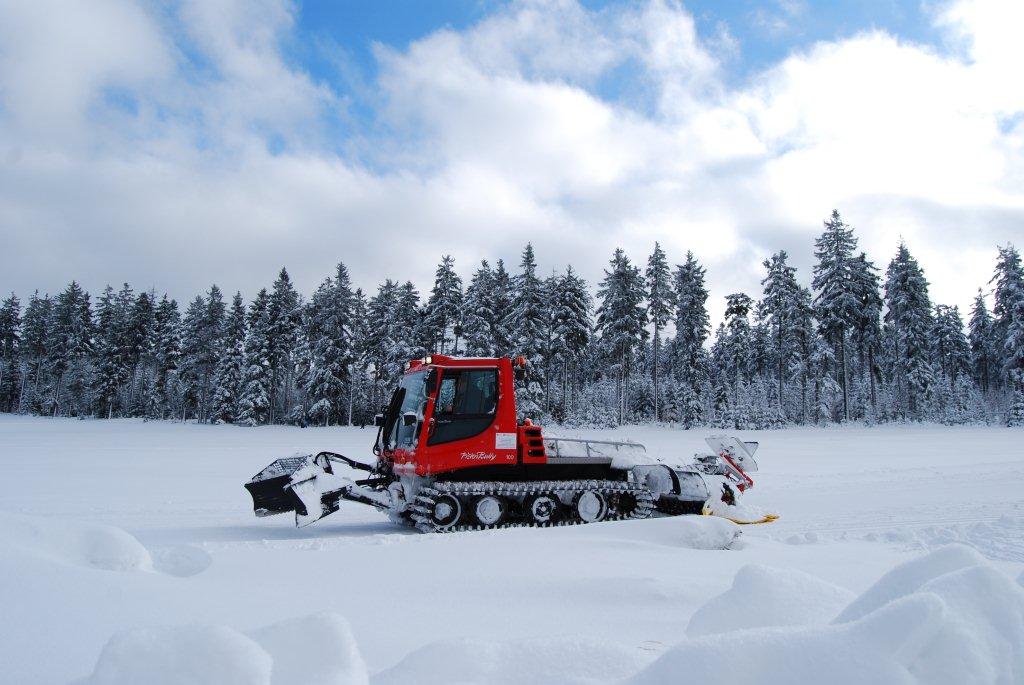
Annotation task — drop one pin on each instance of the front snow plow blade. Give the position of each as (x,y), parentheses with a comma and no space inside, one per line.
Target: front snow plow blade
(308,485)
(270,489)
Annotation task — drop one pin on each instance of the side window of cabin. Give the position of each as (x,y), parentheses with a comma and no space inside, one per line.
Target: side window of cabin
(466,403)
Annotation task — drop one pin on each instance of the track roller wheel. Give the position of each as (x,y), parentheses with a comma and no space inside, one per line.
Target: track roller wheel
(543,509)
(446,512)
(490,510)
(591,506)
(626,503)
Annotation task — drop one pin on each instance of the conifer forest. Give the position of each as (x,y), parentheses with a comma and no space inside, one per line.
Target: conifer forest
(853,341)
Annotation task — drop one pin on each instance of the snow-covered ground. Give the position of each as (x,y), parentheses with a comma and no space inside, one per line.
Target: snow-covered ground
(129,553)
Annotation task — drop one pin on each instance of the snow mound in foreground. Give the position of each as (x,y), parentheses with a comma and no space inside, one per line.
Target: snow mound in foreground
(909,577)
(314,650)
(761,596)
(704,532)
(555,661)
(184,654)
(73,542)
(947,617)
(874,650)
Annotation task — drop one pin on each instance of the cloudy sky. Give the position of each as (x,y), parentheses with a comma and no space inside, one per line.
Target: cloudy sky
(175,145)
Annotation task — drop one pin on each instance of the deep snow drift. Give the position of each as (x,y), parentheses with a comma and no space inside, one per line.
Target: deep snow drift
(129,553)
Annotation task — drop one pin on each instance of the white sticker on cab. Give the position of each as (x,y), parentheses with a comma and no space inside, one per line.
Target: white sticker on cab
(504,441)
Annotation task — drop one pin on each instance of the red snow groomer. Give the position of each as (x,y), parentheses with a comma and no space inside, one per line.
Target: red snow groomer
(451,455)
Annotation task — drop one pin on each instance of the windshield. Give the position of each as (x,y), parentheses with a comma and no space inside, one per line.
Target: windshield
(413,391)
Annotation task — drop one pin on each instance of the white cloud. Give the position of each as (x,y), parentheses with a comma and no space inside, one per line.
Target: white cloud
(136,145)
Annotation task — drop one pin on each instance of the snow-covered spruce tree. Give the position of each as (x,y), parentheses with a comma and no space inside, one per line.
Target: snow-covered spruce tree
(1015,415)
(966,405)
(284,313)
(332,351)
(1009,293)
(984,360)
(867,327)
(526,323)
(695,400)
(718,374)
(254,402)
(478,318)
(1009,327)
(191,371)
(139,352)
(69,352)
(123,330)
(760,346)
(688,357)
(35,340)
(660,306)
(202,345)
(621,320)
(551,346)
(641,399)
(10,339)
(595,406)
(409,320)
(127,347)
(358,387)
(387,343)
(827,398)
(780,310)
(302,371)
(502,304)
(836,299)
(167,354)
(672,408)
(570,313)
(737,349)
(908,328)
(806,340)
(227,378)
(109,369)
(952,352)
(443,322)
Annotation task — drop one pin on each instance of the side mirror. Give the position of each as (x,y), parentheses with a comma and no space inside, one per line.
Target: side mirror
(378,420)
(431,381)
(409,418)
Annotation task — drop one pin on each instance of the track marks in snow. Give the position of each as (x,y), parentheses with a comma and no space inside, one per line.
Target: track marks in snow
(1000,538)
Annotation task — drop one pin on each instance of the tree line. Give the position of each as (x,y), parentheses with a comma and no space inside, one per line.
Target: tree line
(856,344)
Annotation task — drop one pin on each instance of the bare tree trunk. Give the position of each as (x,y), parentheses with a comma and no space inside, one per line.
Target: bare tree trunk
(781,363)
(565,389)
(35,384)
(56,393)
(871,376)
(846,374)
(21,394)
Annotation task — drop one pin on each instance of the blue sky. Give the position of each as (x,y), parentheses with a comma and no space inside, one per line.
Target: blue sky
(338,42)
(765,32)
(177,144)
